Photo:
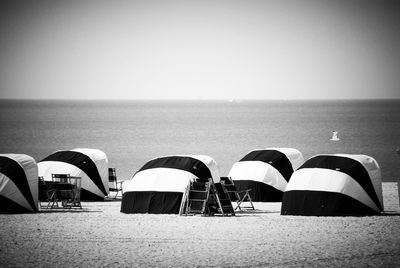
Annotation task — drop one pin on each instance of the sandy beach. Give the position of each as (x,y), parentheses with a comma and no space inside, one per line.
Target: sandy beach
(100,236)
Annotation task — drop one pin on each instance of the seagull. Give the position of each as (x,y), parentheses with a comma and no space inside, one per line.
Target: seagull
(335,136)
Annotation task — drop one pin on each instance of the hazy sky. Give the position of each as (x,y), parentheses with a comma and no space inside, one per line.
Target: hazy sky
(199,49)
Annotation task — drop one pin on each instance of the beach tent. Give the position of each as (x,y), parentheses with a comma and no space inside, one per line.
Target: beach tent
(339,184)
(159,185)
(89,164)
(18,184)
(266,172)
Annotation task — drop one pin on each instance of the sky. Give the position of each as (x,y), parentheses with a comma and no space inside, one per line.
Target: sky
(204,49)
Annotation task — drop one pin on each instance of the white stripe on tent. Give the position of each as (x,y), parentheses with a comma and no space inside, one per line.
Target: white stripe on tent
(160,180)
(46,168)
(328,180)
(9,190)
(258,171)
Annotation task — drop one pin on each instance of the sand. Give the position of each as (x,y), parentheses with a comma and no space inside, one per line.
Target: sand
(99,235)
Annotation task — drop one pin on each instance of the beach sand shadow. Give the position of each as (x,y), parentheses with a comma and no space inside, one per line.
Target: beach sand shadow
(65,210)
(253,213)
(390,213)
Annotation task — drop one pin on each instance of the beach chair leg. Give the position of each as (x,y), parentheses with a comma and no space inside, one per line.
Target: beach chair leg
(249,198)
(52,200)
(238,205)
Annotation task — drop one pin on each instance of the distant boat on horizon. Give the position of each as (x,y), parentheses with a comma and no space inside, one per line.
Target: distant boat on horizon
(335,136)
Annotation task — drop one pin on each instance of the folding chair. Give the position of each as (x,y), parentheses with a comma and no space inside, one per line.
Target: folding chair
(44,191)
(61,190)
(198,197)
(76,187)
(113,184)
(236,196)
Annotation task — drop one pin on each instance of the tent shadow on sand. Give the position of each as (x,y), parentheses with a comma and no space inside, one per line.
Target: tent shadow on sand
(389,214)
(64,210)
(108,199)
(256,212)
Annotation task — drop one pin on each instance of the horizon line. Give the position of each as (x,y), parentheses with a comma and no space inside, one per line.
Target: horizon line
(196,99)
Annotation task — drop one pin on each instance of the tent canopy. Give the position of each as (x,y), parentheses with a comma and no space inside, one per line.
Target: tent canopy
(337,184)
(159,185)
(266,172)
(18,183)
(89,164)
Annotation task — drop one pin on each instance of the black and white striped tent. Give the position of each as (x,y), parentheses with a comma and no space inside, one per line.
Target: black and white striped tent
(158,187)
(18,184)
(89,164)
(266,172)
(330,185)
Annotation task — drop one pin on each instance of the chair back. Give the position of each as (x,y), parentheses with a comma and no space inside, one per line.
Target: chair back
(61,182)
(43,190)
(112,178)
(60,178)
(230,188)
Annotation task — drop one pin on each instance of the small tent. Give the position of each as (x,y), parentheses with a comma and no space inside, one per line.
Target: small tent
(266,172)
(158,186)
(331,185)
(89,164)
(18,184)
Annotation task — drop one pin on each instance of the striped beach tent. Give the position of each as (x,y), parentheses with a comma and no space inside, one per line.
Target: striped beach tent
(18,184)
(266,172)
(89,164)
(335,184)
(159,185)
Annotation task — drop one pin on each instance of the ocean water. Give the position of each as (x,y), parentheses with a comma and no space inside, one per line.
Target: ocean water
(133,132)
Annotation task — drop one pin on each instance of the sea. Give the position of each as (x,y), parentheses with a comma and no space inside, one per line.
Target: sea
(133,132)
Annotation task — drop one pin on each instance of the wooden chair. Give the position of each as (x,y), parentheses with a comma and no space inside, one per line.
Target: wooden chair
(197,197)
(207,198)
(113,184)
(223,200)
(236,196)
